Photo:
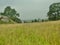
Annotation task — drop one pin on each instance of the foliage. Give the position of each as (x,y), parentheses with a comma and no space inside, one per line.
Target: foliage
(17,20)
(54,11)
(12,14)
(35,20)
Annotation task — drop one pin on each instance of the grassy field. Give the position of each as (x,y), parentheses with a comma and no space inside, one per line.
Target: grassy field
(46,33)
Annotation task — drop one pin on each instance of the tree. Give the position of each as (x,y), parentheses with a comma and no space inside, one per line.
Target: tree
(11,13)
(35,20)
(54,11)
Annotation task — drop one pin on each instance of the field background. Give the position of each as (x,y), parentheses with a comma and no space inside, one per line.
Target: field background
(46,33)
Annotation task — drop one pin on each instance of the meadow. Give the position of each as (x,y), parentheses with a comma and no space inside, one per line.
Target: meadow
(46,33)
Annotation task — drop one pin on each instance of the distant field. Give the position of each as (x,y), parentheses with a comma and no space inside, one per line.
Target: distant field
(46,33)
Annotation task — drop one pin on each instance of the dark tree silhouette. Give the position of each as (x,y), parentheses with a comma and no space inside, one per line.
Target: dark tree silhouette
(54,11)
(12,14)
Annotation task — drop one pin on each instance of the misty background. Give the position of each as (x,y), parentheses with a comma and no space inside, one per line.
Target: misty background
(29,9)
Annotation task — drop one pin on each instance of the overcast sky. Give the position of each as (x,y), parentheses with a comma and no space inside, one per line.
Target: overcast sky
(29,9)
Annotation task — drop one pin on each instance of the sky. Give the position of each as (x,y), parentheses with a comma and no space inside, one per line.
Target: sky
(29,9)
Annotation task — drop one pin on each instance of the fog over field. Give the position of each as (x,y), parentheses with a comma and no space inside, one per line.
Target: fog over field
(29,9)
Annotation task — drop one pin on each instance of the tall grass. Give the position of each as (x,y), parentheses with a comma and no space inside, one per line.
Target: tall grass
(47,33)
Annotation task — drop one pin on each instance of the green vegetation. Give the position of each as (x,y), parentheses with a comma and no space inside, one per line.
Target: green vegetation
(46,33)
(54,11)
(53,14)
(11,14)
(29,33)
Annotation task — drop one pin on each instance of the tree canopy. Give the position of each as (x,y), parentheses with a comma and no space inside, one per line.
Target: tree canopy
(12,14)
(54,11)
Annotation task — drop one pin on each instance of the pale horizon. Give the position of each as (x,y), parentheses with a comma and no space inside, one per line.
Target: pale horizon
(29,9)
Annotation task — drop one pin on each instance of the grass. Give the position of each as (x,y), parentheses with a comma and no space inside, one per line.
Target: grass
(46,33)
